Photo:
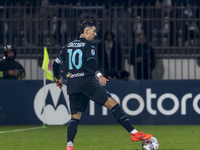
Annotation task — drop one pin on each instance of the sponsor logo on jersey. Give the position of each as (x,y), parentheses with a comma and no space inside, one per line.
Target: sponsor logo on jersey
(70,75)
(76,45)
(93,52)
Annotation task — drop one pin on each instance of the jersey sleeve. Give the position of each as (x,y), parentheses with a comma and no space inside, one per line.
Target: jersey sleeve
(57,62)
(90,53)
(91,58)
(61,57)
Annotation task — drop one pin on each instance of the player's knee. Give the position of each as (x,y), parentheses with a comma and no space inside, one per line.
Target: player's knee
(76,116)
(110,103)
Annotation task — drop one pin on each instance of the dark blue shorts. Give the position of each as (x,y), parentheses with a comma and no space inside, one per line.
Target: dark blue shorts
(79,101)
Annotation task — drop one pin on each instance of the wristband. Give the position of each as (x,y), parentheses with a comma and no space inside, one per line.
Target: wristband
(99,74)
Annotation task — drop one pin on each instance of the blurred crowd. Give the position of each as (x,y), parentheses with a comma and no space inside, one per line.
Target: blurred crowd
(100,2)
(143,34)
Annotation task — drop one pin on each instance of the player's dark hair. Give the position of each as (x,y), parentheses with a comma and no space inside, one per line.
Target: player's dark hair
(84,25)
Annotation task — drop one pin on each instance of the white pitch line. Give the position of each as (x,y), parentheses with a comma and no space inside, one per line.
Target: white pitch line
(21,130)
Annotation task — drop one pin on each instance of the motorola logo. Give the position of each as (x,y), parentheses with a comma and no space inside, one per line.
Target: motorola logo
(51,105)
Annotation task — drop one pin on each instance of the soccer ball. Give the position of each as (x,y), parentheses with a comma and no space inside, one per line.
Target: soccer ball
(150,144)
(148,147)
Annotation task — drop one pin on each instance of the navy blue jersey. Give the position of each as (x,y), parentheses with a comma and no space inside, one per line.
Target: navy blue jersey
(77,54)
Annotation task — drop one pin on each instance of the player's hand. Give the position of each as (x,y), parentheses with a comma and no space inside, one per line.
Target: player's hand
(59,83)
(103,80)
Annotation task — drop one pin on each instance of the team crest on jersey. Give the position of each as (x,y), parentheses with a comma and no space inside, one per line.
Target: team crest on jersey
(92,52)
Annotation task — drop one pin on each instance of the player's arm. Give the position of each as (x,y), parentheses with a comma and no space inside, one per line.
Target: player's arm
(102,79)
(56,65)
(90,54)
(93,66)
(58,78)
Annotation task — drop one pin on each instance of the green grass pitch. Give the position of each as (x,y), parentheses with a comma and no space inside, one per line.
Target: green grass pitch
(97,137)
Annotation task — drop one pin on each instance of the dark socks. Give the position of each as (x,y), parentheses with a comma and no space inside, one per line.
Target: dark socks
(121,118)
(72,129)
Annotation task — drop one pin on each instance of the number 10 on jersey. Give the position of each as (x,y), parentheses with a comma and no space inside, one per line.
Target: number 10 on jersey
(72,58)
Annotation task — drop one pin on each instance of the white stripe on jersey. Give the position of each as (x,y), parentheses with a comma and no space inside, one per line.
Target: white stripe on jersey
(58,61)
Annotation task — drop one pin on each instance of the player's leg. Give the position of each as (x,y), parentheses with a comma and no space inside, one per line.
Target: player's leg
(103,97)
(78,104)
(72,129)
(118,114)
(124,121)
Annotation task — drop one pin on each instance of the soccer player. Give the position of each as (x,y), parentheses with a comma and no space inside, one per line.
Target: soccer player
(83,85)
